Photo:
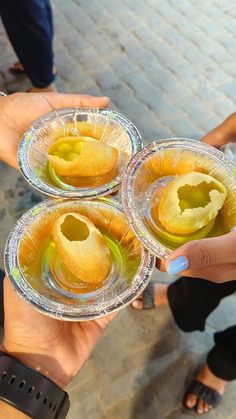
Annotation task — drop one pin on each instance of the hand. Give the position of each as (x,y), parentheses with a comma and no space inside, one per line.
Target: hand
(213,259)
(56,348)
(18,111)
(223,134)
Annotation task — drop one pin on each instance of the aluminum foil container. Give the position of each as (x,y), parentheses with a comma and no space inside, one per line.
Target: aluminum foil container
(34,282)
(157,164)
(106,125)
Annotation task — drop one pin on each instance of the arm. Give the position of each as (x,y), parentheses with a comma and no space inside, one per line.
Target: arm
(56,348)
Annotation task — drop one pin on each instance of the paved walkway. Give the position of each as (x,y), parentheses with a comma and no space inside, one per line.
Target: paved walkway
(170,67)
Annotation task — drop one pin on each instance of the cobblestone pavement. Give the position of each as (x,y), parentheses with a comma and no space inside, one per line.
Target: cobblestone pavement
(170,67)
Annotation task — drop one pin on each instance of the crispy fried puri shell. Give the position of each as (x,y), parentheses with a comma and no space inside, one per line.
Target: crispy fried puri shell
(81,247)
(95,159)
(190,202)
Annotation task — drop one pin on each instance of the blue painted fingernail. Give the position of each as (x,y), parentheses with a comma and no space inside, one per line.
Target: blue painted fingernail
(178,265)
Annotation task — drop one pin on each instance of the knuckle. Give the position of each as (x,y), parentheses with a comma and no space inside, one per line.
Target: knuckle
(202,256)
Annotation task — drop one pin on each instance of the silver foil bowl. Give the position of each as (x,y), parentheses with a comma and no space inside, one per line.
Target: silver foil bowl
(26,241)
(109,126)
(155,166)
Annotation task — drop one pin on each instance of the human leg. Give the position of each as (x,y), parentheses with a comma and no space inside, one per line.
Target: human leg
(219,369)
(30,31)
(191,300)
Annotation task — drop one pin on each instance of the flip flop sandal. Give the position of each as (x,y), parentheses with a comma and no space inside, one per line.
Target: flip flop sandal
(148,297)
(203,392)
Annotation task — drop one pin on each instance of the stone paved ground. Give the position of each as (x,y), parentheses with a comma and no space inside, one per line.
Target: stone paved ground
(170,67)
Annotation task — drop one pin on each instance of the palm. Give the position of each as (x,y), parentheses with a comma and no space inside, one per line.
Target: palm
(18,111)
(61,346)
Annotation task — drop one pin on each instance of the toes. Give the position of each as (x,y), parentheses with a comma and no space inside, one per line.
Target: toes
(200,407)
(137,304)
(191,401)
(206,407)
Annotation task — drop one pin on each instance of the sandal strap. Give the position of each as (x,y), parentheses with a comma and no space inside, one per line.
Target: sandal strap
(148,297)
(205,393)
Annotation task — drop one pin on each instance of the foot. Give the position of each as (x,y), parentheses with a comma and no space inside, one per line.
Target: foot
(210,380)
(51,88)
(19,68)
(160,297)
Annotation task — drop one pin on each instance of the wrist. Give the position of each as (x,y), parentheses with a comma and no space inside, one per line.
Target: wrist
(29,391)
(43,363)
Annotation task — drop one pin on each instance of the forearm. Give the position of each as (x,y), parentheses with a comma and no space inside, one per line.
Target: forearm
(47,365)
(38,393)
(9,412)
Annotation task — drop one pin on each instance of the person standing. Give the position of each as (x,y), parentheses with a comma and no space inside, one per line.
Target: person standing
(29,26)
(208,275)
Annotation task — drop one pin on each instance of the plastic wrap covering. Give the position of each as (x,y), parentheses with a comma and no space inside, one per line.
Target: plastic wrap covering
(104,125)
(39,275)
(230,151)
(153,168)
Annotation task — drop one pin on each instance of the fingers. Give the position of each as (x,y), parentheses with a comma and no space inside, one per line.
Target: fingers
(104,321)
(217,273)
(60,100)
(222,134)
(200,254)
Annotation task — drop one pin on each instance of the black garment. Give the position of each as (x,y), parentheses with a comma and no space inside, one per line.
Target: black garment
(191,301)
(30,29)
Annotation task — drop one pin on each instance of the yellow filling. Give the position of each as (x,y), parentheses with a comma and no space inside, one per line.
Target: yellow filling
(82,157)
(74,229)
(67,151)
(194,196)
(82,248)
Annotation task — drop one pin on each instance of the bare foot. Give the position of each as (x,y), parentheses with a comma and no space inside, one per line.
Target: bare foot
(160,297)
(210,380)
(17,67)
(51,88)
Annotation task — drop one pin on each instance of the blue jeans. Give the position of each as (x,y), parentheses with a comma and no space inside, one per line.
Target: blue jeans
(29,26)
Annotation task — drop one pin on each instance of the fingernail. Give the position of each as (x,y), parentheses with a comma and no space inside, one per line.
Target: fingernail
(177,265)
(107,98)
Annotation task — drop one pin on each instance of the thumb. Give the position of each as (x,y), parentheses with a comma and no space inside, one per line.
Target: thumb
(64,100)
(201,253)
